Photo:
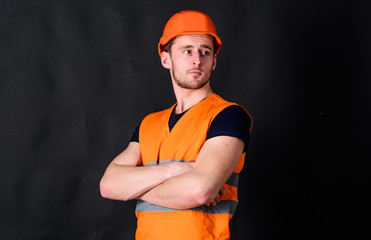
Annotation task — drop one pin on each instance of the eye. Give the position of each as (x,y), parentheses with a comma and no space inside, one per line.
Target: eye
(205,53)
(187,51)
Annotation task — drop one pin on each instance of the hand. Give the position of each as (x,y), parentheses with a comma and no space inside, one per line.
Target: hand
(222,191)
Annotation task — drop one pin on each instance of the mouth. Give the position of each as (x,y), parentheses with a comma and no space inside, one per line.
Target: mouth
(195,72)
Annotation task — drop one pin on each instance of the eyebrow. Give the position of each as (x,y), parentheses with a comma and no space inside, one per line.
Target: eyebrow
(207,47)
(191,46)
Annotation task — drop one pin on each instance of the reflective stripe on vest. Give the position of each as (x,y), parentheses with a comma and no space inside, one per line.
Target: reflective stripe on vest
(232,180)
(224,206)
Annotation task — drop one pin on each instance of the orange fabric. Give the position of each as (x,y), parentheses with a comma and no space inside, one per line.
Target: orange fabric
(182,225)
(240,164)
(231,193)
(184,142)
(188,22)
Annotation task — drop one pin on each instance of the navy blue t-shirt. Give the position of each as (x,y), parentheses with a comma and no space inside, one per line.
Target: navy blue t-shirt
(232,121)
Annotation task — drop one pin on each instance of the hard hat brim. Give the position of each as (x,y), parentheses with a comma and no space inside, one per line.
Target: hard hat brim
(166,39)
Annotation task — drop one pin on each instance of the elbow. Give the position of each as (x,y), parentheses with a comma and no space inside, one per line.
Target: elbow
(202,195)
(104,189)
(109,190)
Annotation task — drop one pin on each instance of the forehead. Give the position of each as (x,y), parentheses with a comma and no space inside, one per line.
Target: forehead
(194,40)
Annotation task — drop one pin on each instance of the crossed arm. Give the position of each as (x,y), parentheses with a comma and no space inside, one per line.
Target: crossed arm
(175,185)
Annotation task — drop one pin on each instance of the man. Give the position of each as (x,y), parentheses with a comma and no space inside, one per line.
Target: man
(182,164)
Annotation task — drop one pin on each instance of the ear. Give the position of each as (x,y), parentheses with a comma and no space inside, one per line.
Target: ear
(166,60)
(214,62)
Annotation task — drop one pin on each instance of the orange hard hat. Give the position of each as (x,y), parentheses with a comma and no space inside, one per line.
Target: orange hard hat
(188,22)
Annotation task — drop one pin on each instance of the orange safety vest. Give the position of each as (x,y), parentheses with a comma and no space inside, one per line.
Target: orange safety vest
(158,145)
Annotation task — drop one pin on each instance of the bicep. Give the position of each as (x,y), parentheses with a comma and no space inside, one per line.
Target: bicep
(130,156)
(218,158)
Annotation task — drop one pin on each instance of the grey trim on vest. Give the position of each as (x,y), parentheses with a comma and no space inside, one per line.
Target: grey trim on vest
(225,206)
(232,180)
(166,161)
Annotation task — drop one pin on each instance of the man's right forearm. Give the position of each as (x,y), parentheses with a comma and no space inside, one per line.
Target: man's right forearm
(121,182)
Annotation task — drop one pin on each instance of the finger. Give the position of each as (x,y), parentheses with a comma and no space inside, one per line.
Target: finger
(213,203)
(217,199)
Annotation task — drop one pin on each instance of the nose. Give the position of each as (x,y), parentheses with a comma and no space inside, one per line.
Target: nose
(196,58)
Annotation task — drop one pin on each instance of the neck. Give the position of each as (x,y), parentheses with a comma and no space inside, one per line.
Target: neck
(187,98)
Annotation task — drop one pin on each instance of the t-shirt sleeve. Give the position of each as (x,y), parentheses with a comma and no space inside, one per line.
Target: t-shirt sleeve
(135,135)
(233,121)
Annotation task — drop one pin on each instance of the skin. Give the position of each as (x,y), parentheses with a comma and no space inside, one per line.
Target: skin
(190,66)
(190,63)
(179,185)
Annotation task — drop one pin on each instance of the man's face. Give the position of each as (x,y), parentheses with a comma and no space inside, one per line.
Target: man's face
(191,60)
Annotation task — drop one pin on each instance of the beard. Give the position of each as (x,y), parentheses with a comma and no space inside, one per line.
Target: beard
(192,83)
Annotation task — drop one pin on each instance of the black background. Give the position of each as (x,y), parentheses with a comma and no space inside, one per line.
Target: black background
(76,77)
